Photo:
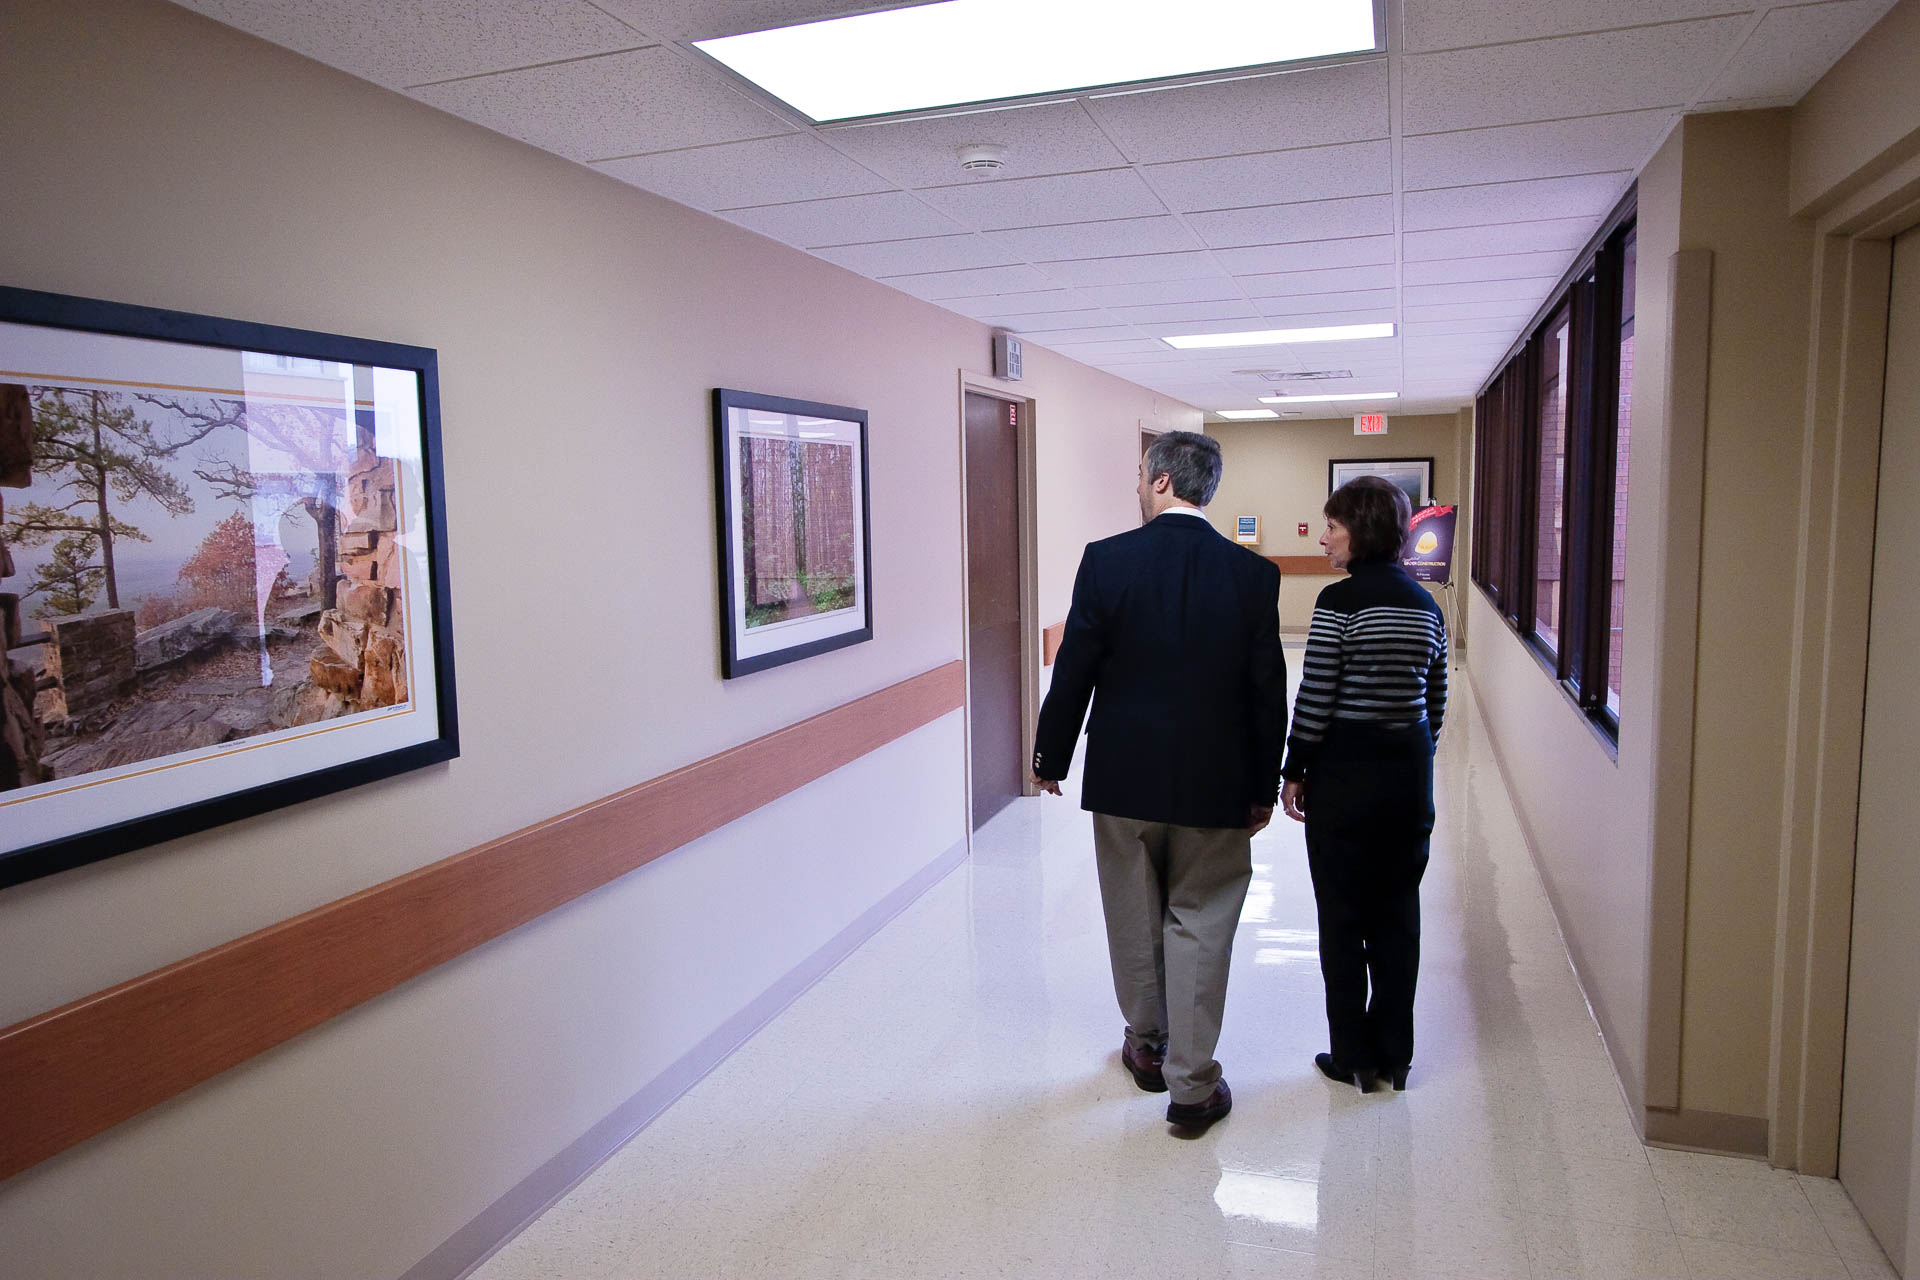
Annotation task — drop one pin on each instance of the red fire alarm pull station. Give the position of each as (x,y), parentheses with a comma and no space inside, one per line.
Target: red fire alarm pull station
(1303,528)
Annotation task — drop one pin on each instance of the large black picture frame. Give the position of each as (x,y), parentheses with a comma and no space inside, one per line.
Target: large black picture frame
(385,448)
(744,647)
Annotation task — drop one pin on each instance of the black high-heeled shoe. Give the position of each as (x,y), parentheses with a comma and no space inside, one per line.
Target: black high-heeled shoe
(1399,1077)
(1361,1078)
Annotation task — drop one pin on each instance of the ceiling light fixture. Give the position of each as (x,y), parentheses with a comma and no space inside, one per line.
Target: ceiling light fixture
(1355,395)
(972,51)
(1277,337)
(1242,415)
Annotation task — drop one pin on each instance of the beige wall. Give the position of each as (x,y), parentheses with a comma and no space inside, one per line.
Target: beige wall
(1861,119)
(1733,202)
(157,158)
(1278,471)
(1691,809)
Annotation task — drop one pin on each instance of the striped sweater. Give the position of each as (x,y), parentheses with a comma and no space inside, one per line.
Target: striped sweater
(1376,653)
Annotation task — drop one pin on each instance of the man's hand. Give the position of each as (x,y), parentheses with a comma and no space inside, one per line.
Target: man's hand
(1293,798)
(1049,785)
(1258,817)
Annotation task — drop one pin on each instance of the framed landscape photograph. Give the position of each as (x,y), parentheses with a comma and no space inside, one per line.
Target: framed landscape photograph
(223,573)
(1413,475)
(791,487)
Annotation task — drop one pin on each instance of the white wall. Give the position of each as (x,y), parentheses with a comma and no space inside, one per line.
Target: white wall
(154,157)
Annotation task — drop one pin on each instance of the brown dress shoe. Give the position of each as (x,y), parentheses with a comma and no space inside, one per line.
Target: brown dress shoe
(1144,1066)
(1197,1116)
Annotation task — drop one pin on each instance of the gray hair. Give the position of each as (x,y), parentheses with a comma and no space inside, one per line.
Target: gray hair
(1191,460)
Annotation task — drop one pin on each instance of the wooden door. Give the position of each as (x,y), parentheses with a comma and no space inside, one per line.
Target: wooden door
(1883,988)
(993,605)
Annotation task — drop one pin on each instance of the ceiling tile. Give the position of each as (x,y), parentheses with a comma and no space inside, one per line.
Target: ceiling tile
(1033,202)
(905,257)
(1308,303)
(1305,320)
(891,215)
(1793,47)
(1183,311)
(1565,234)
(1517,309)
(1127,236)
(1148,293)
(794,166)
(935,285)
(1289,223)
(1504,266)
(1455,24)
(1591,196)
(1094,350)
(1358,251)
(1307,173)
(1442,328)
(1054,137)
(1533,290)
(1553,79)
(700,19)
(398,45)
(1551,149)
(1036,321)
(1098,333)
(1032,302)
(600,108)
(1342,103)
(1332,280)
(1136,269)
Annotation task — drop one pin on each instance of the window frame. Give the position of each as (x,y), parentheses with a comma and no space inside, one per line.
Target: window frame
(1507,481)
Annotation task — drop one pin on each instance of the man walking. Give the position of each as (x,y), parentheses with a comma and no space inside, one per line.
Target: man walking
(1174,634)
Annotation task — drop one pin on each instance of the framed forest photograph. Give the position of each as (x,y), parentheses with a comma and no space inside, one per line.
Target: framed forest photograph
(791,489)
(223,573)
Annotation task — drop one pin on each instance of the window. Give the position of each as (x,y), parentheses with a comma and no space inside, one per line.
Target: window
(1623,433)
(1547,565)
(1552,430)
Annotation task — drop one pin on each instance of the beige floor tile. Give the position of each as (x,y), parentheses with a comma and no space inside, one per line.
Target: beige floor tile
(1725,1260)
(949,1103)
(1572,1249)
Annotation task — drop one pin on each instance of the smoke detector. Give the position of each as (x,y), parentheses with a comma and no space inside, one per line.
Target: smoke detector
(982,157)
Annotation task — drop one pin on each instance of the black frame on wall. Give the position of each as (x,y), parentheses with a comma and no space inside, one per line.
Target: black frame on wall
(1507,477)
(83,842)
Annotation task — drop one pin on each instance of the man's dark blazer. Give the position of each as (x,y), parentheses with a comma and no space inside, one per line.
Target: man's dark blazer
(1174,633)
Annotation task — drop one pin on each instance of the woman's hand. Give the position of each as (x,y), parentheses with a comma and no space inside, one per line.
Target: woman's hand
(1293,798)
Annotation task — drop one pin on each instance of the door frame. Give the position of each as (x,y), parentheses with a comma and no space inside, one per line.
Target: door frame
(992,388)
(1832,600)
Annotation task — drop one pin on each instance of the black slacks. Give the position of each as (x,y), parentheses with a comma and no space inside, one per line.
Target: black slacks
(1369,802)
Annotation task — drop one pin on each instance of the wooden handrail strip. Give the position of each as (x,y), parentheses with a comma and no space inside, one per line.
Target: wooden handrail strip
(1306,565)
(78,1070)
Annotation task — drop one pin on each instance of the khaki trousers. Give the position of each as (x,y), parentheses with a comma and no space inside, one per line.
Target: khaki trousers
(1172,898)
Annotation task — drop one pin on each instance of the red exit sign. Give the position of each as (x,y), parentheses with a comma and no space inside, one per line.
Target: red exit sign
(1369,424)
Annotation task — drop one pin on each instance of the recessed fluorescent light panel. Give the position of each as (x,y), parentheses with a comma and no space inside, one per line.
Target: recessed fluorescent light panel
(1360,395)
(1278,337)
(1242,415)
(972,51)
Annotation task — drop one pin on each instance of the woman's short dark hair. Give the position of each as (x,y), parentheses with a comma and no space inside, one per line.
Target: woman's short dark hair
(1376,513)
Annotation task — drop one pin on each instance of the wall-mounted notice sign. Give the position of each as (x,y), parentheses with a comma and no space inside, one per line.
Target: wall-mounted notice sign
(1429,553)
(1369,424)
(1246,530)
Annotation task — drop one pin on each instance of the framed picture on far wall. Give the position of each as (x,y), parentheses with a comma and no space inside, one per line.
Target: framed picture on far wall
(791,483)
(223,573)
(1414,475)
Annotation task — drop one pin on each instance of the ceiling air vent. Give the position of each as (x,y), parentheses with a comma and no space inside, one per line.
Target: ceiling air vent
(1283,375)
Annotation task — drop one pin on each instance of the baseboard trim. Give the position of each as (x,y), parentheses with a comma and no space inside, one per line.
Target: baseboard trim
(462,1252)
(1710,1131)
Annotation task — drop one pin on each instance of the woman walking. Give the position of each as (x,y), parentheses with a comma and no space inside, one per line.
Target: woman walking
(1359,773)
